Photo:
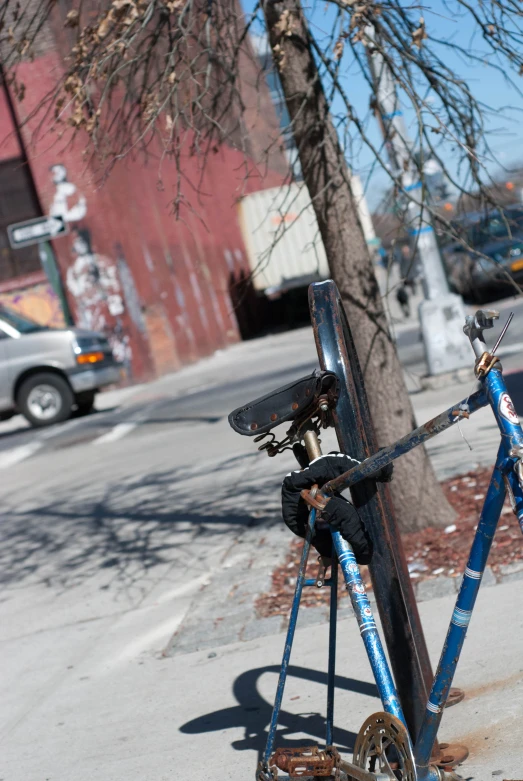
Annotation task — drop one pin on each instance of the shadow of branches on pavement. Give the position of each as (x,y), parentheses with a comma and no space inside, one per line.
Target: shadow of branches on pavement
(125,528)
(253,713)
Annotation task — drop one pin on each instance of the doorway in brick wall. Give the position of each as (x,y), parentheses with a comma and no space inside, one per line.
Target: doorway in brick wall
(18,202)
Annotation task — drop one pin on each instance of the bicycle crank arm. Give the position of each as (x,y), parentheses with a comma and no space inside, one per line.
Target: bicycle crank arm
(359,774)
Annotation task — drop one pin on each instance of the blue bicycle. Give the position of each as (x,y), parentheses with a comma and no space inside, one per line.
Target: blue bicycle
(384,748)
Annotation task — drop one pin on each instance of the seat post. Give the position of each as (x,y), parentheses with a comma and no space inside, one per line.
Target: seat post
(313,447)
(312,444)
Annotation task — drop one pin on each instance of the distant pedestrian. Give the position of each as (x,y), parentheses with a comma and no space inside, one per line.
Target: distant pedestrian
(402,298)
(409,275)
(409,268)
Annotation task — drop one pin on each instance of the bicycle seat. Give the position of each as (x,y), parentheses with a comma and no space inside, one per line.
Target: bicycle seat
(286,403)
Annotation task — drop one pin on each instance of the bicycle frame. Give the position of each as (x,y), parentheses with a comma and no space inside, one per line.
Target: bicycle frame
(507,474)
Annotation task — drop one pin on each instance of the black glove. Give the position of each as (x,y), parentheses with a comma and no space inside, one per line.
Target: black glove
(339,513)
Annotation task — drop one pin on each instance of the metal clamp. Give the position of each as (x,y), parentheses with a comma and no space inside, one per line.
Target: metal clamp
(462,412)
(306,428)
(315,498)
(484,364)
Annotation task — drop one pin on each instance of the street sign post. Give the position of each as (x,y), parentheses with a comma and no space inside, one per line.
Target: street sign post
(22,234)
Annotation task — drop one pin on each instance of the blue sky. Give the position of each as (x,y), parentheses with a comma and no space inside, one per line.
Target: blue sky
(504,121)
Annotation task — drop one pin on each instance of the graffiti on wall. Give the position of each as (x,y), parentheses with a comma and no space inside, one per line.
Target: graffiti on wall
(38,302)
(67,201)
(182,318)
(93,281)
(130,294)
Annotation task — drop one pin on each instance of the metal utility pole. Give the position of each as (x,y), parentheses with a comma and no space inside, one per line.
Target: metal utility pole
(442,313)
(50,266)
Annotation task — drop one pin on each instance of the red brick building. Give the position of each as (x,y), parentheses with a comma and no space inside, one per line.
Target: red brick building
(160,288)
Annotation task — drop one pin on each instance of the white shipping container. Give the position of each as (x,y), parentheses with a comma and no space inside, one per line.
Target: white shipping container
(282,239)
(281,235)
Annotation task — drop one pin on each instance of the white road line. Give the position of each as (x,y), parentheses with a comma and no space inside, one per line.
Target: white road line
(122,429)
(118,432)
(17,454)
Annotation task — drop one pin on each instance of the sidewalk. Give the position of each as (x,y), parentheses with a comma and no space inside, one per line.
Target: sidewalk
(116,567)
(139,715)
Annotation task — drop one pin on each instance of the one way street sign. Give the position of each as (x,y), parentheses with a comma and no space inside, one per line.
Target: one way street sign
(21,234)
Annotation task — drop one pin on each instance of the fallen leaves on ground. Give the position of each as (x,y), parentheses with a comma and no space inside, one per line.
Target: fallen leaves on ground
(430,552)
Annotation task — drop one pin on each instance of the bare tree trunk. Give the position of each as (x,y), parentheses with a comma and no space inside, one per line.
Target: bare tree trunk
(417,495)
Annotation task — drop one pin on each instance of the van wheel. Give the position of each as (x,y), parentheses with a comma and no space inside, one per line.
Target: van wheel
(84,402)
(45,399)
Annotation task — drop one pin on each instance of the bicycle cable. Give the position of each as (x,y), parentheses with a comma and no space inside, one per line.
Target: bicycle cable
(463,437)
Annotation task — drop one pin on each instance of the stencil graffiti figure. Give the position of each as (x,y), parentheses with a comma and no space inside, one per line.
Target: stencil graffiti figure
(64,191)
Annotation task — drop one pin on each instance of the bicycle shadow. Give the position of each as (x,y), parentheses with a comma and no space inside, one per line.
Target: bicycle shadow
(253,713)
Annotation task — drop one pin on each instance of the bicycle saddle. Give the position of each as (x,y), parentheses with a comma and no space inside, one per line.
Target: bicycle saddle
(286,403)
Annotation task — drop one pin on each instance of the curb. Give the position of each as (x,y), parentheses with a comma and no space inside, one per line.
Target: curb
(238,621)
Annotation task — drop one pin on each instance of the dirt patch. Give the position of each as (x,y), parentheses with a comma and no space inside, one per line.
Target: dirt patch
(430,552)
(494,686)
(483,740)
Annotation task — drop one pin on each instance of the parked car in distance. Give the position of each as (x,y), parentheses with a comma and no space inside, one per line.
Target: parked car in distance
(47,373)
(495,276)
(495,234)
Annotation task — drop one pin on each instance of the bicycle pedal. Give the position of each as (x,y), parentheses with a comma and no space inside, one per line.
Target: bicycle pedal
(304,761)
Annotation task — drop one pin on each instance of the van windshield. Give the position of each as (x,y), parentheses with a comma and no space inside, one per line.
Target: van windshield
(22,324)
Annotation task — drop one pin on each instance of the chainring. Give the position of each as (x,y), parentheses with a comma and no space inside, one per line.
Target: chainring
(383,746)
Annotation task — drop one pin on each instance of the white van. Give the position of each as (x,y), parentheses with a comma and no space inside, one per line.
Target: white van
(47,373)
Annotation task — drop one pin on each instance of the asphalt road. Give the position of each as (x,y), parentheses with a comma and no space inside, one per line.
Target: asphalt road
(206,406)
(170,402)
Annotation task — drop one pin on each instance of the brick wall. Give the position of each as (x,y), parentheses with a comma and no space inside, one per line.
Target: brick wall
(9,146)
(158,286)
